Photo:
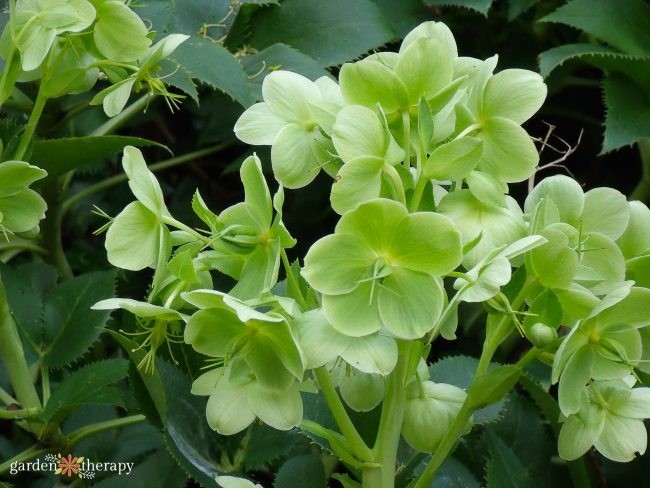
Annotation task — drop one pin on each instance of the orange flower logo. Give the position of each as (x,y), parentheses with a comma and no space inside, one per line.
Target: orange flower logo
(69,466)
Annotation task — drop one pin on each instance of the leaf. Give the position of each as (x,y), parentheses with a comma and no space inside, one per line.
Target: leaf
(279,57)
(185,16)
(193,445)
(214,65)
(266,445)
(58,156)
(330,32)
(459,371)
(628,112)
(453,474)
(70,326)
(623,25)
(518,7)
(557,56)
(492,386)
(480,6)
(403,16)
(89,385)
(155,470)
(504,469)
(301,471)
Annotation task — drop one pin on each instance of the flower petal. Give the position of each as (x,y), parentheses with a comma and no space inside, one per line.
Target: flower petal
(258,125)
(288,95)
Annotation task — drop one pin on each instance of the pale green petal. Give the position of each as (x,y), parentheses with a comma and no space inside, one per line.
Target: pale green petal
(490,279)
(633,310)
(488,190)
(356,313)
(234,482)
(18,175)
(608,363)
(601,255)
(426,242)
(335,263)
(358,181)
(119,34)
(515,94)
(257,195)
(565,192)
(371,354)
(205,298)
(319,341)
(269,370)
(425,66)
(281,411)
(140,309)
(279,337)
(369,82)
(509,153)
(211,331)
(576,438)
(206,384)
(636,406)
(636,238)
(258,125)
(358,132)
(375,222)
(554,263)
(431,30)
(34,48)
(288,95)
(573,380)
(228,411)
(453,160)
(622,439)
(135,228)
(606,211)
(143,182)
(330,90)
(410,303)
(292,156)
(362,392)
(22,211)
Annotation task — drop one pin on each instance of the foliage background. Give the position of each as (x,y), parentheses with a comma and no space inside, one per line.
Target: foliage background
(233,45)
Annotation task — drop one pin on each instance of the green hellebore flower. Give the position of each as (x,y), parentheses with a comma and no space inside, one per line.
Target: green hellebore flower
(362,392)
(604,346)
(430,410)
(228,328)
(288,120)
(21,209)
(381,269)
(236,400)
(119,34)
(610,418)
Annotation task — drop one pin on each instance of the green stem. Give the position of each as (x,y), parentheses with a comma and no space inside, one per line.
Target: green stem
(45,381)
(29,453)
(417,194)
(13,357)
(459,425)
(529,357)
(6,398)
(32,122)
(406,123)
(398,186)
(51,230)
(80,434)
(117,179)
(642,190)
(18,414)
(111,125)
(291,281)
(357,445)
(390,426)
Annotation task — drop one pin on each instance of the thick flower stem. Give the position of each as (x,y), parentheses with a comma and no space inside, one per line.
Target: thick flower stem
(13,357)
(30,128)
(390,426)
(642,190)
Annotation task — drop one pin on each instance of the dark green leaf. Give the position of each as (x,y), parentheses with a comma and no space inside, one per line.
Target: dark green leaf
(70,326)
(628,112)
(58,156)
(623,25)
(266,445)
(480,6)
(331,32)
(453,474)
(186,16)
(518,7)
(504,469)
(191,442)
(302,471)
(156,470)
(214,65)
(89,385)
(403,16)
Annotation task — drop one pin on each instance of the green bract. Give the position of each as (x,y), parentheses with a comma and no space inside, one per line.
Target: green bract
(381,269)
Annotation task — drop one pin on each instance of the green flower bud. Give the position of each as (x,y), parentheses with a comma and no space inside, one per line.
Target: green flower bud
(541,335)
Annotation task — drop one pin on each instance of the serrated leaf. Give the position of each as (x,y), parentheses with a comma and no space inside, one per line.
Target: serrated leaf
(155,470)
(331,32)
(58,156)
(628,112)
(89,385)
(623,25)
(459,371)
(453,474)
(480,6)
(504,469)
(518,7)
(266,445)
(194,446)
(403,16)
(186,16)
(214,65)
(301,471)
(70,326)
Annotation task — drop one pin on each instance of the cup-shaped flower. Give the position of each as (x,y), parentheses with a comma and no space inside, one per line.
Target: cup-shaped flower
(227,328)
(288,121)
(610,418)
(21,208)
(430,410)
(604,346)
(237,398)
(381,269)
